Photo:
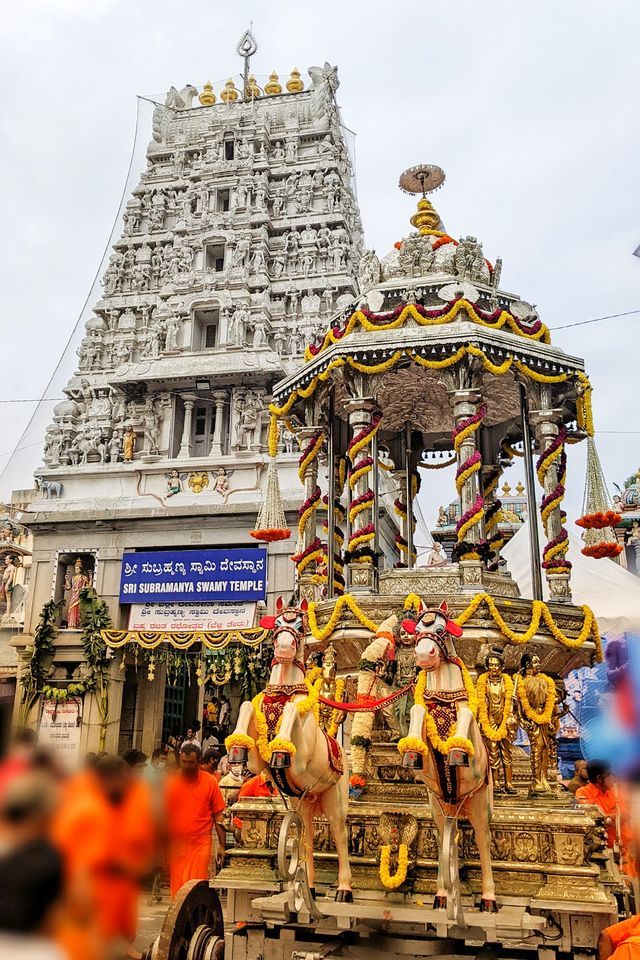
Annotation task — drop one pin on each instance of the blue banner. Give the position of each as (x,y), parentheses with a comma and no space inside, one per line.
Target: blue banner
(194,575)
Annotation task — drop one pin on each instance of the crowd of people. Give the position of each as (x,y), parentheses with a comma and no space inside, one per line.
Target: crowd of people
(76,850)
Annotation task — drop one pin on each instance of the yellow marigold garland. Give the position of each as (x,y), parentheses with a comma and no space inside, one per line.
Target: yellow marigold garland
(452,742)
(279,744)
(536,716)
(496,369)
(391,881)
(336,721)
(375,367)
(492,733)
(410,311)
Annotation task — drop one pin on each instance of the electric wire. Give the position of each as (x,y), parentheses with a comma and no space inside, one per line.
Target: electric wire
(96,277)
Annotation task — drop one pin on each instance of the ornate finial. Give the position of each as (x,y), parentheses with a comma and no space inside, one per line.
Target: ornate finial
(519,488)
(506,489)
(424,179)
(246,48)
(253,91)
(229,93)
(207,97)
(273,86)
(294,83)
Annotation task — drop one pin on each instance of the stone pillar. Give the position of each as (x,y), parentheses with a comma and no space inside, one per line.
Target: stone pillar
(545,422)
(220,398)
(362,574)
(185,444)
(307,533)
(466,406)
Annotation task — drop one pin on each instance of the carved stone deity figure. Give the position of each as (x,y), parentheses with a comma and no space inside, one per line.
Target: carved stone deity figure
(75,582)
(150,426)
(114,446)
(259,339)
(247,412)
(128,444)
(368,271)
(497,723)
(536,699)
(7,582)
(172,331)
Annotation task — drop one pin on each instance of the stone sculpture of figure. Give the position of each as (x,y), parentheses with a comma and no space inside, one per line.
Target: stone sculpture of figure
(247,420)
(291,151)
(174,484)
(259,264)
(75,582)
(533,694)
(221,482)
(172,331)
(278,151)
(128,444)
(114,447)
(280,342)
(443,520)
(278,264)
(369,271)
(497,723)
(241,252)
(278,203)
(150,427)
(259,339)
(7,582)
(292,241)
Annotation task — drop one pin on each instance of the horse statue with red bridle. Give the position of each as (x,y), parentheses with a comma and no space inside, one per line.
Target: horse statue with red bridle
(278,732)
(445,748)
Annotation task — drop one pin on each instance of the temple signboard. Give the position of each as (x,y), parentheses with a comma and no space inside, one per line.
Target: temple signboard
(183,617)
(60,728)
(192,576)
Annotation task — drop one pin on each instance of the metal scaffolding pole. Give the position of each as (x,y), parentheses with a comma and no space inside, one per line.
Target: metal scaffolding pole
(534,540)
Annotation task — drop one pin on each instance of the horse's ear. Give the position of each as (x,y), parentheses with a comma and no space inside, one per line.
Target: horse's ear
(304,605)
(409,626)
(279,604)
(267,623)
(443,607)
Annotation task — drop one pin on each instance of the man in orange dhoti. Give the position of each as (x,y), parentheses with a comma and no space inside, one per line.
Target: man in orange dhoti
(621,941)
(105,831)
(194,805)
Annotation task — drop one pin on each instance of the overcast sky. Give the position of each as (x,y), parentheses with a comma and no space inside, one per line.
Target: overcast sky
(531,108)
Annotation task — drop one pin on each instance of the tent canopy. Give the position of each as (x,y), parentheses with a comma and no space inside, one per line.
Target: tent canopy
(611,591)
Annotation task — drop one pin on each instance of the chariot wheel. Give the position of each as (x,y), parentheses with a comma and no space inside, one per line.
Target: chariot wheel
(193,928)
(451,868)
(290,845)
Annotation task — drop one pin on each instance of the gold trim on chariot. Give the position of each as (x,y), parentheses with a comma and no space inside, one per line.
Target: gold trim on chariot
(211,639)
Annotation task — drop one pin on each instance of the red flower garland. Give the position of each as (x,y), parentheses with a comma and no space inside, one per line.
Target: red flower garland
(316,545)
(599,520)
(600,550)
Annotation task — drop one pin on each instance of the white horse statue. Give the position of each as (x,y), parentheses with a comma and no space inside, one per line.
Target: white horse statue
(445,745)
(278,732)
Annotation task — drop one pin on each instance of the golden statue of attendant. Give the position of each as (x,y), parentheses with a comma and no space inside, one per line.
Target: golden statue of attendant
(497,722)
(331,689)
(536,696)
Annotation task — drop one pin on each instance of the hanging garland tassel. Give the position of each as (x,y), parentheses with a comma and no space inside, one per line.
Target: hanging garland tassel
(598,519)
(271,524)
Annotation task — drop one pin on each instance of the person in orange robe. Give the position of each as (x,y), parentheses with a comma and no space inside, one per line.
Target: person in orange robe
(620,941)
(193,807)
(105,832)
(601,793)
(258,786)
